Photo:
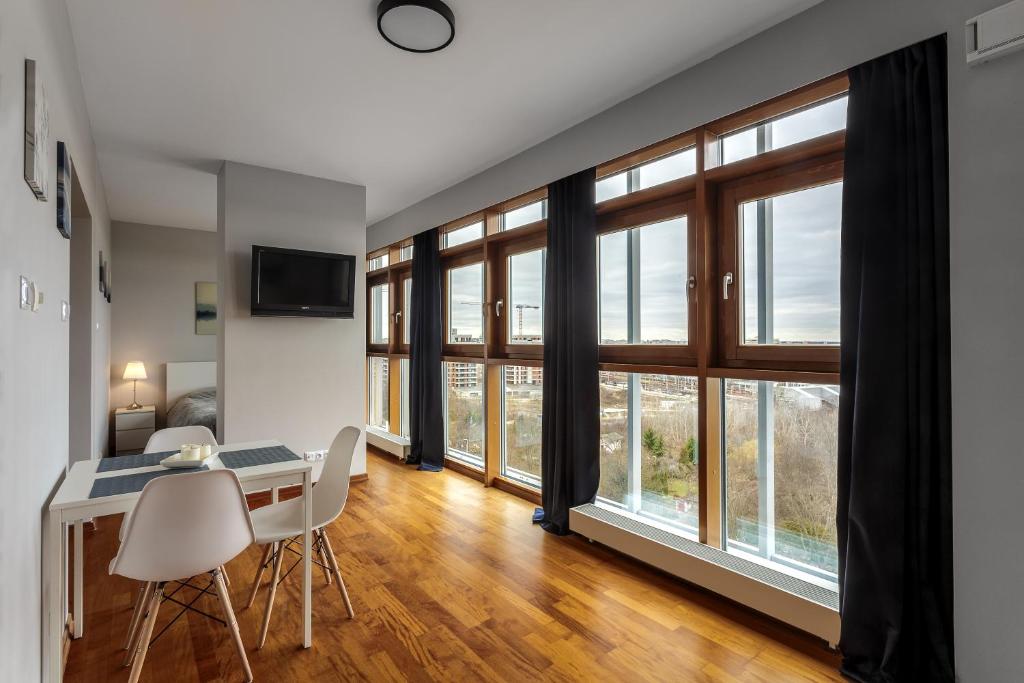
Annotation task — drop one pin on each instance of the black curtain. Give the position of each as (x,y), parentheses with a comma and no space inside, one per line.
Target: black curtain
(426,418)
(895,496)
(569,455)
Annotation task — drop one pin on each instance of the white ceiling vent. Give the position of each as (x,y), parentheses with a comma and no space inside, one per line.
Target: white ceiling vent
(995,33)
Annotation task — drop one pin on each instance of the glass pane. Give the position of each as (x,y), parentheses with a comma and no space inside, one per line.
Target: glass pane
(612,186)
(668,440)
(790,254)
(407,309)
(671,167)
(614,487)
(780,470)
(379,314)
(789,129)
(473,231)
(377,399)
(524,215)
(521,444)
(404,398)
(613,287)
(464,408)
(377,262)
(649,460)
(405,253)
(525,312)
(465,304)
(662,282)
(643,284)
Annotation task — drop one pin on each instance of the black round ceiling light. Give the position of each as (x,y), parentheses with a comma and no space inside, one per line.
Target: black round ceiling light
(416,25)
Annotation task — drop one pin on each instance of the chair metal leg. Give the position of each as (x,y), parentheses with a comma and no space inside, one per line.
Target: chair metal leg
(229,616)
(147,633)
(318,536)
(145,589)
(337,575)
(259,576)
(275,578)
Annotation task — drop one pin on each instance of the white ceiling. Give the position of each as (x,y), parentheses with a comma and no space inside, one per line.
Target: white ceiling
(175,86)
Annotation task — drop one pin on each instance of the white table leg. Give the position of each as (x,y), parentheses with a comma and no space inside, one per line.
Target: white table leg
(307,558)
(79,613)
(54,576)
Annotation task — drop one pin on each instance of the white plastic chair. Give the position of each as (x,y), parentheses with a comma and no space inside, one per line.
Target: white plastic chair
(277,526)
(171,438)
(184,525)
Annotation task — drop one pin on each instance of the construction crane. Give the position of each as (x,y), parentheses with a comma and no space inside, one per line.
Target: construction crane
(519,312)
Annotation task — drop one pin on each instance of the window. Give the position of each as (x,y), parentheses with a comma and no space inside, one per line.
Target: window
(403,402)
(649,447)
(379,314)
(789,129)
(377,399)
(405,252)
(464,412)
(643,275)
(377,262)
(790,267)
(524,215)
(525,314)
(780,464)
(522,401)
(465,304)
(468,233)
(670,167)
(407,310)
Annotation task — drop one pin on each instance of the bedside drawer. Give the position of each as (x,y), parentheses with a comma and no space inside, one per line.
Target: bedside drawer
(132,439)
(139,420)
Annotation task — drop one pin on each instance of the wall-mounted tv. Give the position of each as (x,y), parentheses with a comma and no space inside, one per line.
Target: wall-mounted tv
(294,283)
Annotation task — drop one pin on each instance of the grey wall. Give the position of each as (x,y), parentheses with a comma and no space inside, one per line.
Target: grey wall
(298,380)
(986,177)
(154,305)
(34,365)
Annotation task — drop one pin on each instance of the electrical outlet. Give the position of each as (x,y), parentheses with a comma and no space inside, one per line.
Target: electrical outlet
(25,294)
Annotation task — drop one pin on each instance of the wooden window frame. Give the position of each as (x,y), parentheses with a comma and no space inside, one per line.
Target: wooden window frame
(635,217)
(733,353)
(462,259)
(398,276)
(380,277)
(504,250)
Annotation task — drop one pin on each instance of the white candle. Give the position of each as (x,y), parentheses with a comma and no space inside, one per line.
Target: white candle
(207,450)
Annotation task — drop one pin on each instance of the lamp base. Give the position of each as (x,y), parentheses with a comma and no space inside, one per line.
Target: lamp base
(134,406)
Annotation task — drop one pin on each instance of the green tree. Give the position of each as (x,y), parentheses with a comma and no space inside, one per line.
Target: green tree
(654,444)
(688,455)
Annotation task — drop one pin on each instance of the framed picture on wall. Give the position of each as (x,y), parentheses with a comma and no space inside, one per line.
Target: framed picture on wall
(206,308)
(63,190)
(103,275)
(37,133)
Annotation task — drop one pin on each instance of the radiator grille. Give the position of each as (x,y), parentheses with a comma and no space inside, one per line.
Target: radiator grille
(753,570)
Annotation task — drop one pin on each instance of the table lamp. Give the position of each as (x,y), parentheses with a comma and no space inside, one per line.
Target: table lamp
(135,370)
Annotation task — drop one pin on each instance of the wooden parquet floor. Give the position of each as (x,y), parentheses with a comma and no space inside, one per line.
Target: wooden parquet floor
(451,582)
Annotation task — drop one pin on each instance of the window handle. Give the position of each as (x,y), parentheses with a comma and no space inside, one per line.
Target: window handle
(398,316)
(498,306)
(726,281)
(691,282)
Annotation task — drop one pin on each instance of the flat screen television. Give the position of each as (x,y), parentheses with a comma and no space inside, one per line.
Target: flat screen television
(294,283)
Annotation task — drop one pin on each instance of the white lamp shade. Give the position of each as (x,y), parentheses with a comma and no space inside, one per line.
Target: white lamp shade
(135,370)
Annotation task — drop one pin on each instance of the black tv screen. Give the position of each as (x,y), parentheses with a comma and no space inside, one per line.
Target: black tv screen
(290,282)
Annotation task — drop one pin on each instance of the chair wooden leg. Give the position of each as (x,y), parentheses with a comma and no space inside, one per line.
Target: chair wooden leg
(145,589)
(229,616)
(138,624)
(259,575)
(319,534)
(275,578)
(337,575)
(224,572)
(147,632)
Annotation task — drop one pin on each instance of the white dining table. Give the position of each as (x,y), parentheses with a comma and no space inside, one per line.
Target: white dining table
(71,506)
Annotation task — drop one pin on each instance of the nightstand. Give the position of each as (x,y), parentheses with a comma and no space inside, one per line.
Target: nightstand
(132,428)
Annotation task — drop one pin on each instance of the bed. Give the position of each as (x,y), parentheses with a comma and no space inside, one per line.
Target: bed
(191,394)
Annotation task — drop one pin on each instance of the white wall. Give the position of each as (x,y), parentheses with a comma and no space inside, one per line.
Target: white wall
(986,106)
(154,306)
(34,346)
(298,380)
